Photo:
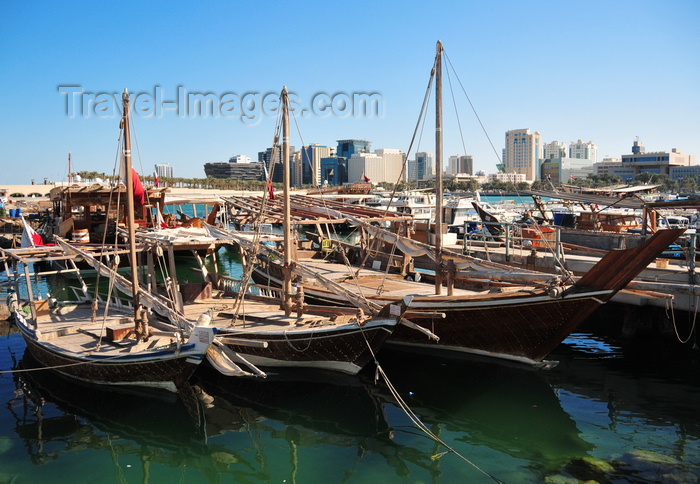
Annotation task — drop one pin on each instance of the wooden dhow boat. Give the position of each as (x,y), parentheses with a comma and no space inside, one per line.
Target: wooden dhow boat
(270,330)
(102,342)
(490,309)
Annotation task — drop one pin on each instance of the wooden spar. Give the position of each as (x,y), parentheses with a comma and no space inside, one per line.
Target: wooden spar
(438,172)
(287,284)
(131,226)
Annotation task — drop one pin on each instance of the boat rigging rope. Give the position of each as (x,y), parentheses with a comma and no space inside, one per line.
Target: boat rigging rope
(238,305)
(347,263)
(419,127)
(558,260)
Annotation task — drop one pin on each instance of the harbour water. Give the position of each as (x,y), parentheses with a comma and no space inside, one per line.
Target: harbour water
(610,411)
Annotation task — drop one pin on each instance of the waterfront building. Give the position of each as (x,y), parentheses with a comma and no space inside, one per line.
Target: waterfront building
(678,173)
(235,171)
(660,162)
(607,166)
(393,160)
(348,147)
(411,173)
(295,167)
(274,166)
(555,149)
(163,170)
(506,177)
(384,165)
(583,151)
(460,165)
(425,166)
(240,159)
(564,170)
(464,177)
(334,170)
(311,156)
(672,163)
(522,153)
(370,165)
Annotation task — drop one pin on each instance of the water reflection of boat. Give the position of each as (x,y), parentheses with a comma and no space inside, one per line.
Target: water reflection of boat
(60,414)
(509,409)
(318,400)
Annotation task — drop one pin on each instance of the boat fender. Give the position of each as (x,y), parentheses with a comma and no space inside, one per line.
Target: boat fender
(178,341)
(554,292)
(204,319)
(12,300)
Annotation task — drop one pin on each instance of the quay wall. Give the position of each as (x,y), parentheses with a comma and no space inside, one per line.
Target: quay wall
(37,193)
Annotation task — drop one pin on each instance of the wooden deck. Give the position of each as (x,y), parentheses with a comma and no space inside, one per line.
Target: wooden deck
(71,328)
(370,282)
(261,316)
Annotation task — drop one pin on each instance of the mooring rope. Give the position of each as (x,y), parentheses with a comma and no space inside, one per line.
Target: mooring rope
(675,325)
(415,419)
(424,428)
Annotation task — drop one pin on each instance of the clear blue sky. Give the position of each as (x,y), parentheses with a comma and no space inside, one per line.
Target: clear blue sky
(603,71)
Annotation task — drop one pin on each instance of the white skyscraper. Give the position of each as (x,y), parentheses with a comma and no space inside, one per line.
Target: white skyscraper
(164,171)
(583,151)
(393,164)
(554,150)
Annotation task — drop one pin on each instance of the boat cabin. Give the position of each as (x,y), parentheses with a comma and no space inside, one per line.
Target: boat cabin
(673,222)
(92,210)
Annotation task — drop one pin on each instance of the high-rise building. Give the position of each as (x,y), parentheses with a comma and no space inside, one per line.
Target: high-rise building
(425,166)
(371,165)
(460,164)
(522,153)
(164,171)
(411,173)
(583,151)
(348,147)
(311,156)
(393,164)
(384,165)
(275,166)
(553,150)
(334,170)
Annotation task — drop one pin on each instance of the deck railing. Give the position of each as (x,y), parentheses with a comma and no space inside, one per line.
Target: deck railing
(232,287)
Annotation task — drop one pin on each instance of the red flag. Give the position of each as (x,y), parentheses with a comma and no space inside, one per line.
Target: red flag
(365,178)
(270,188)
(572,177)
(29,236)
(155,179)
(139,193)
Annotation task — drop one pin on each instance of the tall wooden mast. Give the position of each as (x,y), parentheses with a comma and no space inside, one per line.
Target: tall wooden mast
(438,169)
(131,225)
(287,283)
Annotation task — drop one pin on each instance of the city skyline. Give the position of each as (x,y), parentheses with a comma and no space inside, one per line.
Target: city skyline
(63,59)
